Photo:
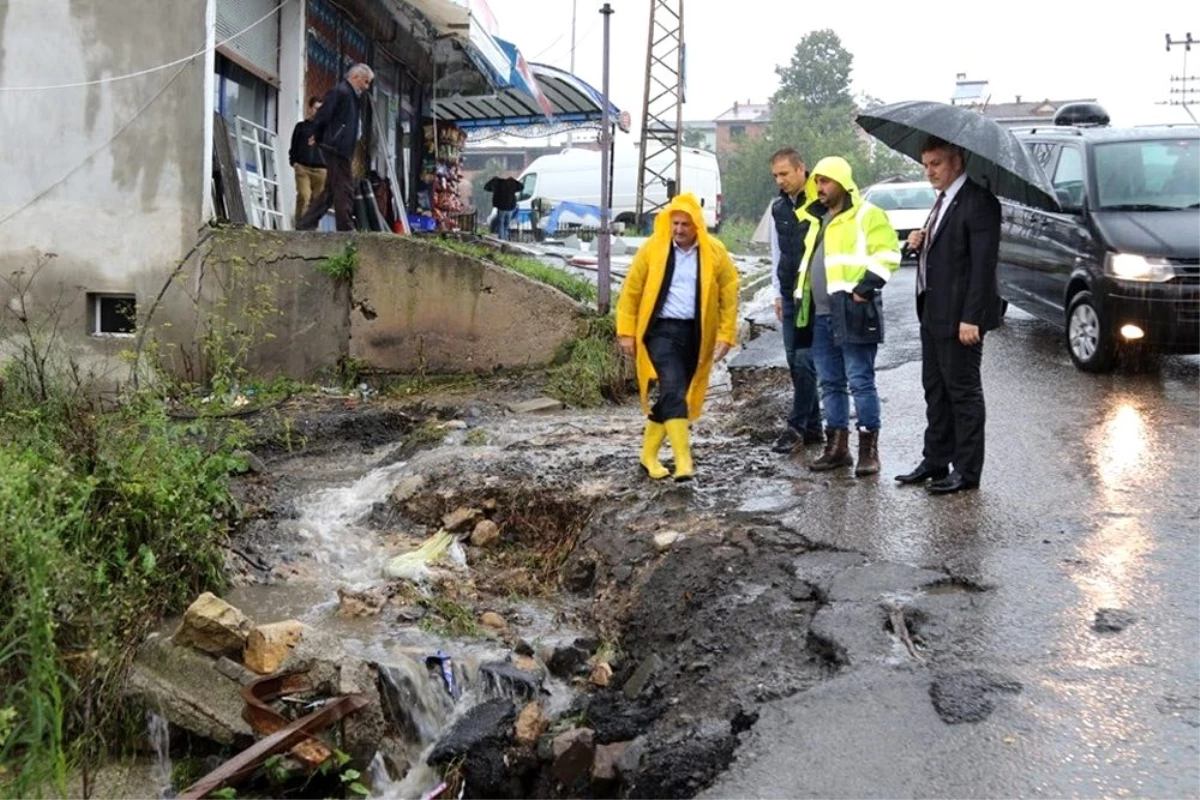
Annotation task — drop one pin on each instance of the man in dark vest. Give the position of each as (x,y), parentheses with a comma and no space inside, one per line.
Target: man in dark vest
(335,128)
(787,247)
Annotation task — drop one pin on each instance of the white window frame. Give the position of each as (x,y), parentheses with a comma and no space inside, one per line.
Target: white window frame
(96,300)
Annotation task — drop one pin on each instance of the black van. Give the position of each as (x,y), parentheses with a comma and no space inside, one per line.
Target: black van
(1119,267)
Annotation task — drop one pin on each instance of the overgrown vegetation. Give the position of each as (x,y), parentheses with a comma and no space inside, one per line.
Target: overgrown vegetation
(112,515)
(568,284)
(737,235)
(590,369)
(341,266)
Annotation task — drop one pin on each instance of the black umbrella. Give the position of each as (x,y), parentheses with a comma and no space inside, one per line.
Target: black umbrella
(994,156)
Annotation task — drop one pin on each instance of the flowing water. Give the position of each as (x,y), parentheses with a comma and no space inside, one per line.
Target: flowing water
(158,734)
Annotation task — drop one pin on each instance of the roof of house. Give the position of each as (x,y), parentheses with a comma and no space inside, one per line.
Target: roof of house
(1041,109)
(746,112)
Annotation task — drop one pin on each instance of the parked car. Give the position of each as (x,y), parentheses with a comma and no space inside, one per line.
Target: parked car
(907,206)
(1119,267)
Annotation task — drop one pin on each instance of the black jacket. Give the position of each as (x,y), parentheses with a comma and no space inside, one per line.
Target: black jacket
(504,192)
(961,265)
(790,233)
(336,123)
(300,152)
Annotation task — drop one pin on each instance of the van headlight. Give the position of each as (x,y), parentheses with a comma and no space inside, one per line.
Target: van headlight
(1129,267)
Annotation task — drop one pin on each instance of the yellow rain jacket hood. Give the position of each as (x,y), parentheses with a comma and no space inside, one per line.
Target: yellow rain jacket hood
(861,254)
(718,297)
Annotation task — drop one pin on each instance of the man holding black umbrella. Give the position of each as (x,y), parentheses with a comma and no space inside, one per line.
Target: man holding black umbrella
(957,303)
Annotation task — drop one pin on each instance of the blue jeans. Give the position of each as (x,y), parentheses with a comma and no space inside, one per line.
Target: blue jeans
(845,370)
(806,403)
(504,220)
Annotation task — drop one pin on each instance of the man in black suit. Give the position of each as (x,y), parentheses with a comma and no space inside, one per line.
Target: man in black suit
(335,128)
(957,303)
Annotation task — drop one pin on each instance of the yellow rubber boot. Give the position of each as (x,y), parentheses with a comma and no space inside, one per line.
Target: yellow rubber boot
(677,431)
(655,433)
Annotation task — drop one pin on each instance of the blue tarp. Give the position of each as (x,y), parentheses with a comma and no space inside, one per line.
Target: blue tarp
(581,210)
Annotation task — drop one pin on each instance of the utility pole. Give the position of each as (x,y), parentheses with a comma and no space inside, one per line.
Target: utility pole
(574,9)
(604,244)
(662,107)
(1184,91)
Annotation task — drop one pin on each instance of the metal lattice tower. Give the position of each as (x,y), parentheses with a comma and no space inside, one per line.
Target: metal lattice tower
(662,106)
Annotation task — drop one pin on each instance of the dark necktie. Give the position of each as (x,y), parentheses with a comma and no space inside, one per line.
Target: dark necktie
(923,258)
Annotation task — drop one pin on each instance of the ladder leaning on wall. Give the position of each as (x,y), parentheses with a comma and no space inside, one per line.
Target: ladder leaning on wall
(256,152)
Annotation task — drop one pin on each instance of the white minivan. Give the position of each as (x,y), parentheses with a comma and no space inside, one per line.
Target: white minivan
(573,176)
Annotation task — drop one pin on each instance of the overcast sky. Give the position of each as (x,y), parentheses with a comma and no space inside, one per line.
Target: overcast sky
(902,51)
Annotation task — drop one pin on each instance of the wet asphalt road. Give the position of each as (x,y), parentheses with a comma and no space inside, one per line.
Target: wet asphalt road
(1090,499)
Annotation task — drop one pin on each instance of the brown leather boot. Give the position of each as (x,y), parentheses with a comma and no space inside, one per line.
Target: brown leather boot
(868,454)
(837,451)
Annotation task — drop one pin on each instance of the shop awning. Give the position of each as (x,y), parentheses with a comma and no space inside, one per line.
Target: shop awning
(473,25)
(573,102)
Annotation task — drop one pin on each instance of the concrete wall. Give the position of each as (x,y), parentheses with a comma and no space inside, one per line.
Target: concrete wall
(418,306)
(111,177)
(412,306)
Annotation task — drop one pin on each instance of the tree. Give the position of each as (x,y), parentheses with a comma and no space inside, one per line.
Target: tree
(693,137)
(819,75)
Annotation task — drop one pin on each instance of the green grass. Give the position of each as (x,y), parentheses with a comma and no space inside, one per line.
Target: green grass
(568,284)
(341,266)
(110,518)
(590,370)
(736,235)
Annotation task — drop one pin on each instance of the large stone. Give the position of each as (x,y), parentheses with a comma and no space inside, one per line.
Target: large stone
(573,752)
(641,677)
(531,724)
(491,619)
(460,518)
(407,488)
(212,625)
(604,765)
(486,532)
(269,645)
(601,674)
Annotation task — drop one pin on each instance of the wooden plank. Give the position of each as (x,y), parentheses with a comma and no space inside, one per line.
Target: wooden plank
(231,190)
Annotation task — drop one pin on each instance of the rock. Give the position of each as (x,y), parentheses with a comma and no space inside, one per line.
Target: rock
(601,674)
(490,722)
(969,695)
(212,625)
(641,677)
(1112,620)
(527,664)
(269,645)
(573,753)
(365,603)
(523,648)
(410,614)
(566,661)
(407,488)
(491,504)
(604,764)
(491,619)
(612,718)
(579,576)
(460,518)
(538,405)
(183,686)
(454,425)
(531,724)
(663,540)
(486,532)
(630,759)
(234,671)
(507,679)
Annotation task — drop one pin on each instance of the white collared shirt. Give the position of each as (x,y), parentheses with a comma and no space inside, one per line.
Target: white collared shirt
(681,297)
(950,192)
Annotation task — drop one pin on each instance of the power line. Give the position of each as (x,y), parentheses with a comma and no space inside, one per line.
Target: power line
(141,72)
(95,152)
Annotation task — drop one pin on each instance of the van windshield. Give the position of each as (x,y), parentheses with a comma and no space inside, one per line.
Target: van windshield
(530,186)
(1148,174)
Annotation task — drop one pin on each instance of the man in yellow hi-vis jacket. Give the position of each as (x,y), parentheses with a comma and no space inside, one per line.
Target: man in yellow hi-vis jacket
(849,253)
(677,314)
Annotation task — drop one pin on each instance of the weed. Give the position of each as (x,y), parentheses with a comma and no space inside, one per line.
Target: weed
(592,370)
(409,385)
(738,236)
(449,618)
(565,282)
(476,437)
(341,266)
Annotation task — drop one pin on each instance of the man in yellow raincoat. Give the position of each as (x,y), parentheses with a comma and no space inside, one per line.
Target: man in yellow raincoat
(676,315)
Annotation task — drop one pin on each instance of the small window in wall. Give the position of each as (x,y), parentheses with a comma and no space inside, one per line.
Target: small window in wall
(112,314)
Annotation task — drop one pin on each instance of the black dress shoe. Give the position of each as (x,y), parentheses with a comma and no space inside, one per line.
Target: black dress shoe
(951,484)
(923,472)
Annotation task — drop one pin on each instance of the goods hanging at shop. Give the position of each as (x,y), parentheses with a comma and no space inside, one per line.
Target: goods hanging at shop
(438,200)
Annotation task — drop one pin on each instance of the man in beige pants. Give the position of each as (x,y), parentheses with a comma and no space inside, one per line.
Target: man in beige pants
(306,159)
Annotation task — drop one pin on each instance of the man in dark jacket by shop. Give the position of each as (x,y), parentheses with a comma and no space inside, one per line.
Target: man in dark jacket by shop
(505,190)
(306,160)
(335,128)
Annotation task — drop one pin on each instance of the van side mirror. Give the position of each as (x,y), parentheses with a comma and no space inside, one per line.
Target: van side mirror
(1066,201)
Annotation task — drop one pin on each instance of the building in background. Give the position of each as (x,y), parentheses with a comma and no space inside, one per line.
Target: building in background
(740,121)
(1018,113)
